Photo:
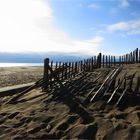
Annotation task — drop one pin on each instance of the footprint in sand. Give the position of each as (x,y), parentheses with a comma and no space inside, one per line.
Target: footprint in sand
(11,116)
(63,126)
(34,130)
(26,119)
(48,119)
(72,119)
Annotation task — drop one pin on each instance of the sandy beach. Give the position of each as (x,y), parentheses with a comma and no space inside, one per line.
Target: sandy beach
(10,76)
(69,115)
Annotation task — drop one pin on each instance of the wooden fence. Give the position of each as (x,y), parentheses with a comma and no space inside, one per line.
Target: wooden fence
(130,58)
(57,73)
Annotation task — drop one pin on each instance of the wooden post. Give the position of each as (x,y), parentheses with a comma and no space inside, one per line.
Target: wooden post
(87,65)
(122,60)
(92,64)
(109,60)
(62,73)
(84,65)
(72,68)
(106,61)
(131,57)
(119,60)
(59,66)
(51,79)
(81,66)
(114,60)
(69,70)
(137,55)
(66,72)
(95,62)
(99,60)
(103,60)
(75,68)
(46,73)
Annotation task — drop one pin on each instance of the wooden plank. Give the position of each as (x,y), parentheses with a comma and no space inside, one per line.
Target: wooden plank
(98,92)
(119,100)
(55,76)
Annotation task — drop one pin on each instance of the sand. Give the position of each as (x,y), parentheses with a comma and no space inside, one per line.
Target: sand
(67,115)
(10,76)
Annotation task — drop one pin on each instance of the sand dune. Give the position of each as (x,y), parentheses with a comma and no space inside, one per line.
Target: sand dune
(65,115)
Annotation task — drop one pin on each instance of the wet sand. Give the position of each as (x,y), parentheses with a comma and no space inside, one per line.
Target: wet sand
(45,115)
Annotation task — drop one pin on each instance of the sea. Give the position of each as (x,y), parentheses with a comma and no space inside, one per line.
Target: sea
(20,64)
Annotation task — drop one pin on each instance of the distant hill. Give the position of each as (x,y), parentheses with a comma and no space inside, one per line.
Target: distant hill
(37,57)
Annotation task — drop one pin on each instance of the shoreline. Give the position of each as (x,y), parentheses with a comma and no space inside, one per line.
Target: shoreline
(4,65)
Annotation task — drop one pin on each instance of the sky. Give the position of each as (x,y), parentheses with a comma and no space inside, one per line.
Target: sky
(78,27)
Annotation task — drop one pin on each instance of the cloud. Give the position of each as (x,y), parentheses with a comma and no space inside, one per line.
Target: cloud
(118,26)
(129,28)
(124,3)
(27,26)
(94,6)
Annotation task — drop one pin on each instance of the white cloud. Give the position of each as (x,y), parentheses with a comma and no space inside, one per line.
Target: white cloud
(129,28)
(27,26)
(118,26)
(124,3)
(94,6)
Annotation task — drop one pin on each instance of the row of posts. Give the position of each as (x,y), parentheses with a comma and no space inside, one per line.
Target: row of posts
(65,70)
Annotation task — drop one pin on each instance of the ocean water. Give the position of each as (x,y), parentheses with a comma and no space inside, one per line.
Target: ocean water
(19,64)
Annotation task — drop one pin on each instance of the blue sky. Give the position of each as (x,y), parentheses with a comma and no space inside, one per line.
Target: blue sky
(82,19)
(78,27)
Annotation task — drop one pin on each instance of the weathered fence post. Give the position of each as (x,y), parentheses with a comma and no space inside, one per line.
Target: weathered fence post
(114,60)
(92,65)
(99,58)
(103,60)
(51,79)
(106,60)
(137,55)
(46,73)
(109,61)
